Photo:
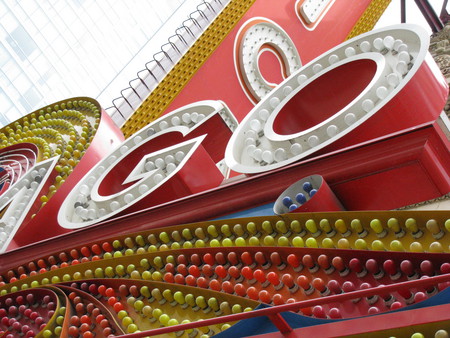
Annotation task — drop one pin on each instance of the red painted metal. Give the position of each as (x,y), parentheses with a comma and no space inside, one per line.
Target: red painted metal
(396,162)
(220,68)
(300,305)
(108,135)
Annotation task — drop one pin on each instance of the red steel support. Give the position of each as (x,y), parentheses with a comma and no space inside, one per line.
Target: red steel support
(276,310)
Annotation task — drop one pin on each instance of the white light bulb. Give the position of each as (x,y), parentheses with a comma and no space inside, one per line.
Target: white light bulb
(163,125)
(402,67)
(388,42)
(267,156)
(149,165)
(84,189)
(112,159)
(378,44)
(92,213)
(313,141)
(249,141)
(332,130)
(175,121)
(102,212)
(250,149)
(367,105)
(84,213)
(404,56)
(255,125)
(317,68)
(194,117)
(279,155)
(158,178)
(287,90)
(263,115)
(365,46)
(402,48)
(296,149)
(159,163)
(350,51)
(301,79)
(150,132)
(333,59)
(257,154)
(393,79)
(123,149)
(137,139)
(349,119)
(171,167)
(169,159)
(128,198)
(274,102)
(179,155)
(143,188)
(382,92)
(186,117)
(114,205)
(42,171)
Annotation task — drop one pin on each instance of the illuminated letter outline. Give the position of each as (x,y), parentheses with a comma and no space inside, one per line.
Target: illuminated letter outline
(97,208)
(21,196)
(246,62)
(387,47)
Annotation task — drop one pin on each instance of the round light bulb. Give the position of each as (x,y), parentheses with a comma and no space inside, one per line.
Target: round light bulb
(365,46)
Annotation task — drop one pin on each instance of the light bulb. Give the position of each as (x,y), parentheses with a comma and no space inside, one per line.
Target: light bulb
(382,92)
(171,168)
(263,115)
(317,68)
(295,149)
(143,188)
(349,119)
(267,156)
(257,154)
(388,42)
(250,150)
(149,165)
(114,205)
(301,79)
(350,51)
(333,59)
(313,141)
(186,118)
(332,130)
(175,121)
(287,90)
(404,56)
(402,67)
(194,117)
(365,46)
(123,149)
(163,125)
(158,178)
(137,140)
(393,79)
(179,155)
(280,155)
(367,105)
(169,159)
(274,102)
(128,198)
(255,125)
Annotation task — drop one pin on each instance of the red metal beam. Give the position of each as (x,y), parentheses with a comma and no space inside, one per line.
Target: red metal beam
(276,310)
(430,15)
